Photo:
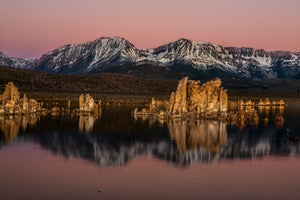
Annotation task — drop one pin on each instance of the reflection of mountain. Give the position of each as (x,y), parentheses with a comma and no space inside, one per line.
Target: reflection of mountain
(104,151)
(191,142)
(180,142)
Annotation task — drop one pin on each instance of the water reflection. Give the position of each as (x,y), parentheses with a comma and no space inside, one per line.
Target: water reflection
(115,139)
(185,138)
(266,112)
(11,125)
(86,122)
(195,134)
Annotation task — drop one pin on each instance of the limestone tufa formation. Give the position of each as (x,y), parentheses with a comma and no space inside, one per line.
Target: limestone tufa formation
(11,103)
(267,102)
(87,105)
(191,98)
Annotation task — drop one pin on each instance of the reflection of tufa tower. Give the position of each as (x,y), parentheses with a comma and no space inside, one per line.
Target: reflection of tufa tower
(10,125)
(86,123)
(195,134)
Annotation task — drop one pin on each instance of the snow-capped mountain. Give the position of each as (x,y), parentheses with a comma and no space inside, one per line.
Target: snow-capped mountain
(89,57)
(181,57)
(27,63)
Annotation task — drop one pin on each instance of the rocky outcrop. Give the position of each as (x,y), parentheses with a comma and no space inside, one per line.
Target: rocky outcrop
(11,103)
(178,100)
(241,104)
(267,102)
(207,98)
(87,105)
(210,101)
(191,99)
(10,93)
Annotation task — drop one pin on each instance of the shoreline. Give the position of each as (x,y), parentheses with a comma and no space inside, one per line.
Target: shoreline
(143,99)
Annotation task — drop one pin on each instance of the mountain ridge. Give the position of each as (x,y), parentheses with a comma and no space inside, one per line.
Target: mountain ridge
(181,57)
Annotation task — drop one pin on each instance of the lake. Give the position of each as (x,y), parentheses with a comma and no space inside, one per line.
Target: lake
(117,156)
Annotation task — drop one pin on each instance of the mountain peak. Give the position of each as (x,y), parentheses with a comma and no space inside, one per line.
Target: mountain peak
(179,56)
(114,38)
(113,42)
(184,40)
(2,54)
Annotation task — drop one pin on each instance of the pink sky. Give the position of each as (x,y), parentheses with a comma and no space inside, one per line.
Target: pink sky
(29,28)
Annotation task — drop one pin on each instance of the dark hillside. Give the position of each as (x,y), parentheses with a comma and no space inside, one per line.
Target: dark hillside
(112,86)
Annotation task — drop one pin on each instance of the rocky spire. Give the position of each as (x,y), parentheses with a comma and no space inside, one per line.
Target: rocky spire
(10,102)
(11,93)
(192,98)
(87,105)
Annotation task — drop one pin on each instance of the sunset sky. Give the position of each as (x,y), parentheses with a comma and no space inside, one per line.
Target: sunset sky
(29,28)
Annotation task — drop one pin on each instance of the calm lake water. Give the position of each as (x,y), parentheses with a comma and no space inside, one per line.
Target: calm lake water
(118,157)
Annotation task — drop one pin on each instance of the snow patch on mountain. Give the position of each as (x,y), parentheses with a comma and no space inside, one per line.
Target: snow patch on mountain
(108,52)
(26,63)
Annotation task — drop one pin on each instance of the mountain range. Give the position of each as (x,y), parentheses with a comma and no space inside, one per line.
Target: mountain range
(173,60)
